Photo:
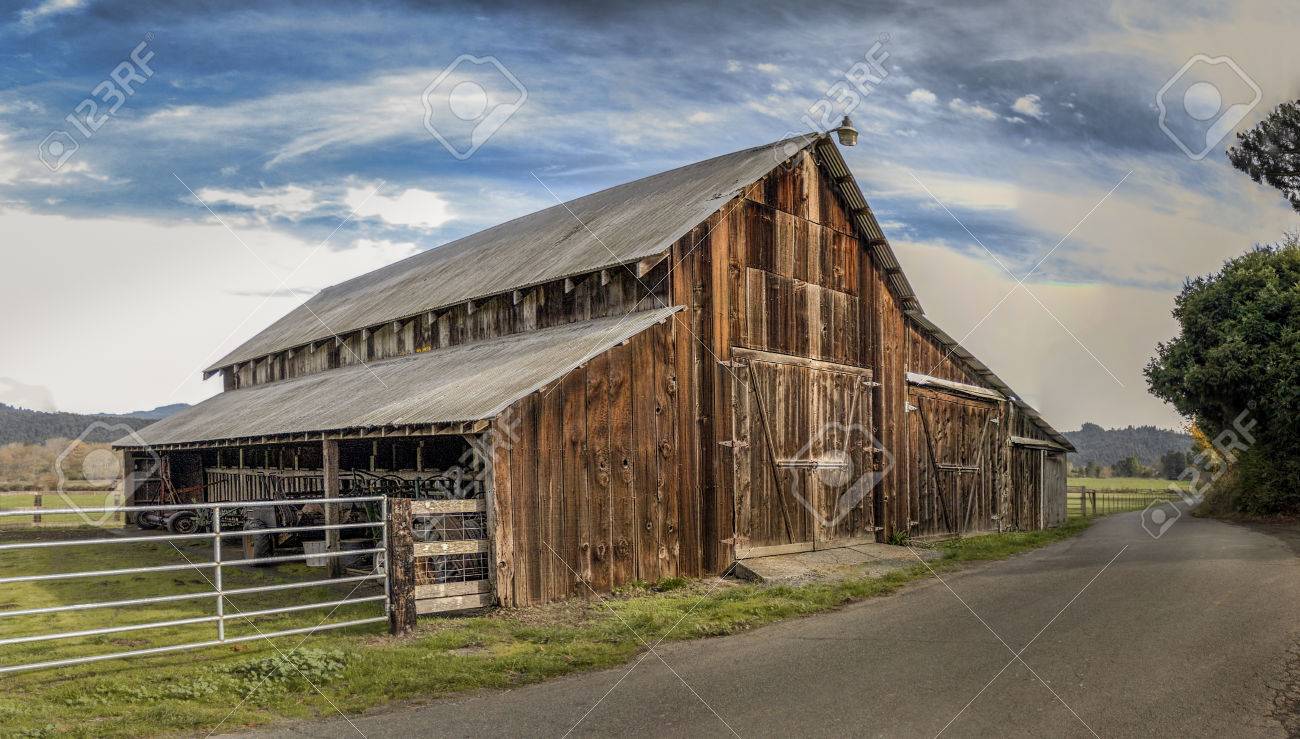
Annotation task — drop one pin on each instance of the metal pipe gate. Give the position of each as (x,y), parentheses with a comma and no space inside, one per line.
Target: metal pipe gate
(218,592)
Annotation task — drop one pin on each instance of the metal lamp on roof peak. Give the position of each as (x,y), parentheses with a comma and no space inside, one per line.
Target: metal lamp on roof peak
(847,133)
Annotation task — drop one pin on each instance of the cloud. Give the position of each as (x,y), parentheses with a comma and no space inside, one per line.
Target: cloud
(1067,382)
(922,96)
(31,16)
(198,286)
(31,397)
(290,201)
(414,207)
(1028,105)
(768,68)
(975,110)
(733,66)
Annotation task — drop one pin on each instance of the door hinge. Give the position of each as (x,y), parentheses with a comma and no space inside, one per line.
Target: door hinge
(734,363)
(872,383)
(733,444)
(909,407)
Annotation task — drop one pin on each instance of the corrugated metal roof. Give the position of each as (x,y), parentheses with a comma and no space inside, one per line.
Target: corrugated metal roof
(616,226)
(460,383)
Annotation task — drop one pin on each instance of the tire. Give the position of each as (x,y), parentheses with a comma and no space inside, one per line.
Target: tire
(148,521)
(257,546)
(183,522)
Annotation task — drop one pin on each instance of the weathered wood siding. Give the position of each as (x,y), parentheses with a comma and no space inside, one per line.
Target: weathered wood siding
(954,464)
(1054,482)
(588,479)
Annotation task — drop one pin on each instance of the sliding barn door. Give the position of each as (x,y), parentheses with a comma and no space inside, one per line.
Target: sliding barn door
(804,465)
(952,440)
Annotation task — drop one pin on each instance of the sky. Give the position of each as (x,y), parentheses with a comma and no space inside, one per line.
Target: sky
(173,178)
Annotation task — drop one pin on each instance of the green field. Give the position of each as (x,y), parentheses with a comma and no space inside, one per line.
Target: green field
(1125,483)
(230,687)
(11,501)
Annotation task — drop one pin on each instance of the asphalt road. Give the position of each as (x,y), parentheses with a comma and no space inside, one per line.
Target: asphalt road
(1194,634)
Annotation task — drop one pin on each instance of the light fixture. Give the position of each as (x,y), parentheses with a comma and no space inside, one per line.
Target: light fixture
(847,133)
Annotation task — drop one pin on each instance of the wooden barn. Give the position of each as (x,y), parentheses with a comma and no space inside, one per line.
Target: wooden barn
(717,362)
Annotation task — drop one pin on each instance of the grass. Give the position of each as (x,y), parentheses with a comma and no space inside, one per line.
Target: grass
(1126,483)
(12,501)
(238,686)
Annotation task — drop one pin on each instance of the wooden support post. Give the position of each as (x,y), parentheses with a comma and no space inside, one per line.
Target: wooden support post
(128,484)
(37,504)
(401,567)
(330,469)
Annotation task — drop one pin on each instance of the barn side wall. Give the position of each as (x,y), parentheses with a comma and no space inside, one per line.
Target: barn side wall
(588,473)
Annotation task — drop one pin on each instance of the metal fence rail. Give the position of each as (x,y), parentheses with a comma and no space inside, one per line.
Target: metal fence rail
(217,565)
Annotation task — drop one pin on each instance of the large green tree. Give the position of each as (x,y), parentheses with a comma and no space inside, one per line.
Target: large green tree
(1239,352)
(1270,152)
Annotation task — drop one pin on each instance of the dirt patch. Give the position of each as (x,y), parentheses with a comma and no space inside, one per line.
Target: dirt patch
(1286,695)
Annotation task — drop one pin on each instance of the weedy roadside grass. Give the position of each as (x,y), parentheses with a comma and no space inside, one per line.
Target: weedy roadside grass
(224,689)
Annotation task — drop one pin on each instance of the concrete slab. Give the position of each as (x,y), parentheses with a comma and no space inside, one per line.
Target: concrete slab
(872,560)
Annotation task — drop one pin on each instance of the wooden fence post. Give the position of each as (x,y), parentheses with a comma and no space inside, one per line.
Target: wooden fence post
(36,503)
(332,489)
(401,567)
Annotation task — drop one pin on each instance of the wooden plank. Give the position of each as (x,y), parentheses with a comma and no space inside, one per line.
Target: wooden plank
(667,483)
(598,474)
(453,603)
(524,488)
(432,507)
(768,551)
(444,590)
(464,546)
(797,361)
(503,531)
(401,568)
(647,506)
(577,570)
(923,380)
(623,463)
(691,532)
(550,487)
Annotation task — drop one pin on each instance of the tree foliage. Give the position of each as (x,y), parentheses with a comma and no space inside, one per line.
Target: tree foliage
(1270,152)
(1238,352)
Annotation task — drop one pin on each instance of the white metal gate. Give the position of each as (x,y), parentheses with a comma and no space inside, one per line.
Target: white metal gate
(217,565)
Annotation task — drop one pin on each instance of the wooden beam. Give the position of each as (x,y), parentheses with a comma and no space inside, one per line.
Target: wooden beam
(402,608)
(330,473)
(433,507)
(569,284)
(920,380)
(450,589)
(517,296)
(437,548)
(604,277)
(644,266)
(454,603)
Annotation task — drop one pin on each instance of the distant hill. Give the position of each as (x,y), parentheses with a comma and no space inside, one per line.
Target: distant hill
(159,413)
(34,427)
(1107,446)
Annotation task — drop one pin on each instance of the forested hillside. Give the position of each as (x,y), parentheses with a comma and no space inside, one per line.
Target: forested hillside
(34,427)
(1108,446)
